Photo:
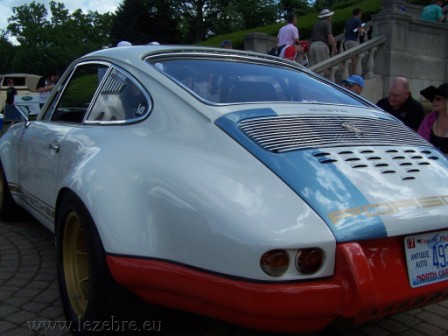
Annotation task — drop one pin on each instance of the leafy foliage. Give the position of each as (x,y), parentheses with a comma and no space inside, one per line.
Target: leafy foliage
(81,89)
(305,24)
(321,4)
(345,4)
(256,13)
(7,54)
(48,39)
(44,44)
(298,7)
(189,21)
(419,2)
(144,21)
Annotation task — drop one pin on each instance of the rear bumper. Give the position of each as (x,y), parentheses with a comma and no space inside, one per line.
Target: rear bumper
(370,281)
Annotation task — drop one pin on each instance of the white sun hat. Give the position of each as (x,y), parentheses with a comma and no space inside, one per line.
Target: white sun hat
(325,13)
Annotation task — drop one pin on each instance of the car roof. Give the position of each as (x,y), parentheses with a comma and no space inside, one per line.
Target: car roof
(132,54)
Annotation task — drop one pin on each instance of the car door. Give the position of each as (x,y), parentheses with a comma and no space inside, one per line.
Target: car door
(43,140)
(39,156)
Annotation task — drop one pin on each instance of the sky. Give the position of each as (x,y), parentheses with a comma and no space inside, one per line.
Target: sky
(101,7)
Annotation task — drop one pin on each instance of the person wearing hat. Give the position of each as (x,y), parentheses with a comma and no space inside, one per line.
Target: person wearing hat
(323,43)
(434,127)
(302,50)
(433,12)
(226,44)
(296,52)
(354,83)
(402,105)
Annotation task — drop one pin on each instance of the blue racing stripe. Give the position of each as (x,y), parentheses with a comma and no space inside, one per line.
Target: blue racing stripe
(323,186)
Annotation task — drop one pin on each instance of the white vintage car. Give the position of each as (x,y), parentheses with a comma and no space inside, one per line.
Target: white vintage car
(230,184)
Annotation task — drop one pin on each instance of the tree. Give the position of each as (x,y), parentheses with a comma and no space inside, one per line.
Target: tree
(257,13)
(419,2)
(297,7)
(28,24)
(143,21)
(45,44)
(225,18)
(7,54)
(195,21)
(202,19)
(322,4)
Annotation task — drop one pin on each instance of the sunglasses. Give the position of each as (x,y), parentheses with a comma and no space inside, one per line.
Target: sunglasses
(439,98)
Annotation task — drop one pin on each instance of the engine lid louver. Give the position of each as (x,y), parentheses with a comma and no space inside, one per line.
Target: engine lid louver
(288,133)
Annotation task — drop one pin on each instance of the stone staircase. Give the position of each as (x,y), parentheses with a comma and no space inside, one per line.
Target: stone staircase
(399,44)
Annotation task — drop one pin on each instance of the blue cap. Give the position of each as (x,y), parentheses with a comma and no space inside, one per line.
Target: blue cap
(226,43)
(354,79)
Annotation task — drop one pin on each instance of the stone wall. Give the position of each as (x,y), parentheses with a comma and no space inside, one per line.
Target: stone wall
(415,49)
(259,42)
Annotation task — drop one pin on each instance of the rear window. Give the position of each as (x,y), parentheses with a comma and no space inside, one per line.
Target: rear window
(18,81)
(226,82)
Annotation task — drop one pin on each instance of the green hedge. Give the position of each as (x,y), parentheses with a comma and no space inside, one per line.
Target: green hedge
(305,23)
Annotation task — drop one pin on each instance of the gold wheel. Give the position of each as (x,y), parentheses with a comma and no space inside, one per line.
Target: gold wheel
(75,263)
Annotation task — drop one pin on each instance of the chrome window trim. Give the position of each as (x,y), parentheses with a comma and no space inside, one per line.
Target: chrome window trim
(264,60)
(119,122)
(63,87)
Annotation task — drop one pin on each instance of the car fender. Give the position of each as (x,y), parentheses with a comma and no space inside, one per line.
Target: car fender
(189,194)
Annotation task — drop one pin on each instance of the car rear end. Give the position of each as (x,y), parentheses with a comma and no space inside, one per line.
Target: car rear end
(379,188)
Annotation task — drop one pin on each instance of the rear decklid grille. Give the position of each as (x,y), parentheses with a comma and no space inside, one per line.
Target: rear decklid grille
(367,175)
(288,133)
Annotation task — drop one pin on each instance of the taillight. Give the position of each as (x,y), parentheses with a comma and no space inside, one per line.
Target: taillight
(275,262)
(309,260)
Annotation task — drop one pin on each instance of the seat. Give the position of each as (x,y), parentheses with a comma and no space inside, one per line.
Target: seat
(252,92)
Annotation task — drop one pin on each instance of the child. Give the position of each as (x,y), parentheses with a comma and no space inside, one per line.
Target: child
(10,111)
(11,92)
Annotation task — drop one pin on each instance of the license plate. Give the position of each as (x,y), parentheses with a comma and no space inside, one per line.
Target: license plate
(427,258)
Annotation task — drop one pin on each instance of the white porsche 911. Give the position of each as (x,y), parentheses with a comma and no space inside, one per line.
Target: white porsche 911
(230,184)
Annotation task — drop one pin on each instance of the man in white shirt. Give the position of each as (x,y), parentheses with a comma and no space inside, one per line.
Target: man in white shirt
(288,34)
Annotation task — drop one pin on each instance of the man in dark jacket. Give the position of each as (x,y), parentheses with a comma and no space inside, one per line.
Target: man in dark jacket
(400,104)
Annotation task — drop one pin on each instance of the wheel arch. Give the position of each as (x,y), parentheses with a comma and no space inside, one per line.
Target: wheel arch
(63,193)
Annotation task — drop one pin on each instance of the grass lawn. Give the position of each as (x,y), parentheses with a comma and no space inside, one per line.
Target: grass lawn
(304,23)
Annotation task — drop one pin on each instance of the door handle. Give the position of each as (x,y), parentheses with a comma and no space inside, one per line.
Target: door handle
(54,147)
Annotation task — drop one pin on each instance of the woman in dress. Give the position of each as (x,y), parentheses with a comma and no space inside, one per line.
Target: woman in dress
(434,126)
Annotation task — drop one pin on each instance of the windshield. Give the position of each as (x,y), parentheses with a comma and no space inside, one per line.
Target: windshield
(222,82)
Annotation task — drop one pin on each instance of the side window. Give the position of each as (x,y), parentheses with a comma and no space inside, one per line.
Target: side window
(120,99)
(78,93)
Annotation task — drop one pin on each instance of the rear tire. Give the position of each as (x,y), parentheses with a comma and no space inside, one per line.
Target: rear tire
(88,291)
(83,275)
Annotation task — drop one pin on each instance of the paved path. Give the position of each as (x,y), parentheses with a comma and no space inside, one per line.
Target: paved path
(29,292)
